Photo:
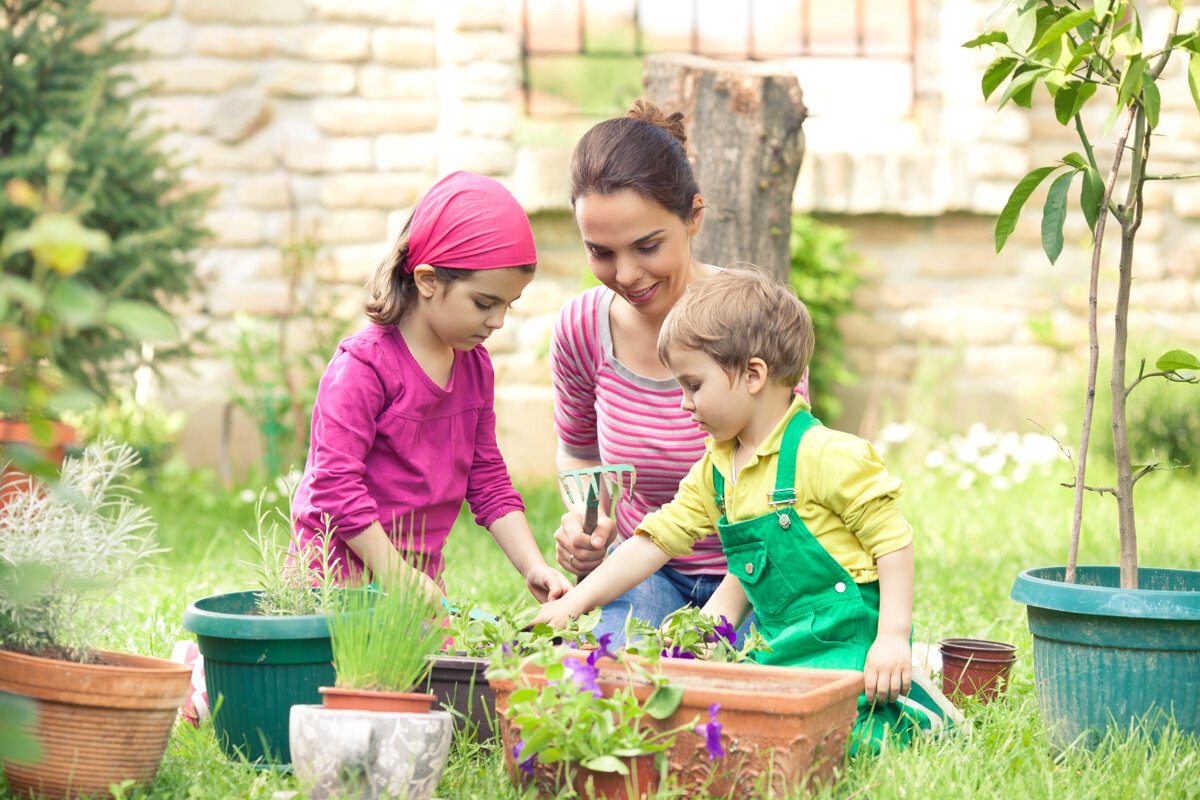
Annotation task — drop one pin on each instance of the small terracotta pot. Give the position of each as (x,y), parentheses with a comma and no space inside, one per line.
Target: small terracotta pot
(363,700)
(639,784)
(982,649)
(972,676)
(19,435)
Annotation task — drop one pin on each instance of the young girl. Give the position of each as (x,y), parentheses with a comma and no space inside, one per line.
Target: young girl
(403,428)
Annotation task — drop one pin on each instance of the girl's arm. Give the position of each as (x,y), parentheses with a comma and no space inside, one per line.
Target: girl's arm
(635,560)
(383,560)
(888,670)
(515,538)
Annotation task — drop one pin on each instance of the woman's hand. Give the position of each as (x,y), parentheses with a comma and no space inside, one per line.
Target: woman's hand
(888,671)
(580,554)
(546,583)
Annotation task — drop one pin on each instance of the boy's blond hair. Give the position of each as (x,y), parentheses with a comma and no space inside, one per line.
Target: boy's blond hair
(738,314)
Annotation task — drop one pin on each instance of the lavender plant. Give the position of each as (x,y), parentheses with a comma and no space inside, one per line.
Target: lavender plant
(66,550)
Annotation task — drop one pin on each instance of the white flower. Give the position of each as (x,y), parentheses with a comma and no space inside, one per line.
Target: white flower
(966,479)
(967,452)
(247,496)
(1001,482)
(991,463)
(895,432)
(935,459)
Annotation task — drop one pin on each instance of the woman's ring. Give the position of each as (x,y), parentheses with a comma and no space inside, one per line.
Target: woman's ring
(572,559)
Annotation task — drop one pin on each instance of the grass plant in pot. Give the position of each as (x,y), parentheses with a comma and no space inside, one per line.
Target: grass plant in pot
(375,735)
(99,717)
(264,649)
(1110,645)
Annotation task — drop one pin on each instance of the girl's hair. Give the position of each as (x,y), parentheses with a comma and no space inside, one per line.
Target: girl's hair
(739,314)
(642,151)
(392,289)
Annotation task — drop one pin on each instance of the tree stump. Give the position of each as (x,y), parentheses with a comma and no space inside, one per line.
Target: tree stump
(743,122)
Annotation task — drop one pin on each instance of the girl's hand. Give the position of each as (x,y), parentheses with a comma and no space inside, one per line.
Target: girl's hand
(579,554)
(555,613)
(888,671)
(546,583)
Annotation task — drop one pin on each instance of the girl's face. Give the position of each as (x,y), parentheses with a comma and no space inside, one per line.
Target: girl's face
(463,313)
(719,404)
(638,248)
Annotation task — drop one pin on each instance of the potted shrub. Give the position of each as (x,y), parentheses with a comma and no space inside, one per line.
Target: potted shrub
(1099,630)
(264,649)
(381,642)
(99,717)
(560,729)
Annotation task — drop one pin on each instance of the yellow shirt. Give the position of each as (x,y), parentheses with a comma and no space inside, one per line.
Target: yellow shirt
(845,497)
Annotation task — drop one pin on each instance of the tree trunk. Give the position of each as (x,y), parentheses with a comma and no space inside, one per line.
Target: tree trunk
(743,121)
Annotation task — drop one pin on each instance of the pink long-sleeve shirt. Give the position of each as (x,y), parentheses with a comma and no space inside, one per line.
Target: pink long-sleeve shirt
(389,444)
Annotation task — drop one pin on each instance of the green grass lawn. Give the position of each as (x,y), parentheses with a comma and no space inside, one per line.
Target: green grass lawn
(970,545)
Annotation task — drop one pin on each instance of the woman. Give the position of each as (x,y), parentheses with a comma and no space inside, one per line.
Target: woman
(638,208)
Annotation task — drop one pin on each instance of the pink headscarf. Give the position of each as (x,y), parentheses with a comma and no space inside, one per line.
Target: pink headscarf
(467,221)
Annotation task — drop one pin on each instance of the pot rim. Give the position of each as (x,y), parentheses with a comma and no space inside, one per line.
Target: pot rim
(202,619)
(1043,587)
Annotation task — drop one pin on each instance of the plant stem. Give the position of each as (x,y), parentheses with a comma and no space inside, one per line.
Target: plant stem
(1089,401)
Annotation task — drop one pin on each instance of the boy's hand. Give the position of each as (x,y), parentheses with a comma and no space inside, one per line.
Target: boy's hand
(556,613)
(546,583)
(580,554)
(888,671)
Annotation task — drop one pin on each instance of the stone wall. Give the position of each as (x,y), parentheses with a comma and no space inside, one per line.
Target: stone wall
(329,117)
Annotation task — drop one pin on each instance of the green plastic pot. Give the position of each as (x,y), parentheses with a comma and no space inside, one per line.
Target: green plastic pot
(256,668)
(1105,655)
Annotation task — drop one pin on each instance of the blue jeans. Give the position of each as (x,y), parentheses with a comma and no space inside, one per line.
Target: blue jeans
(656,598)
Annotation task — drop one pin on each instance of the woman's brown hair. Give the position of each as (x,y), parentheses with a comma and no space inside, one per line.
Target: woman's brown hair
(642,151)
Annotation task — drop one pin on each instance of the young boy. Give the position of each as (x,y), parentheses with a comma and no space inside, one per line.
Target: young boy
(814,538)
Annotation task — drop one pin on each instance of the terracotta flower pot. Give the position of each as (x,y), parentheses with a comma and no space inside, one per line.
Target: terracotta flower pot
(365,700)
(640,783)
(98,723)
(976,668)
(780,726)
(19,436)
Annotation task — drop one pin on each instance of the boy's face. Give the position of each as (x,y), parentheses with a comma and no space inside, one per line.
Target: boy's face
(719,404)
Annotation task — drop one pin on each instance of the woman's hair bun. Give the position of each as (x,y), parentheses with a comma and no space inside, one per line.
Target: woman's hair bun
(647,111)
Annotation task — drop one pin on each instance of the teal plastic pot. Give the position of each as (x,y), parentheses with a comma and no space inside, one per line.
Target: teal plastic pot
(1105,655)
(255,669)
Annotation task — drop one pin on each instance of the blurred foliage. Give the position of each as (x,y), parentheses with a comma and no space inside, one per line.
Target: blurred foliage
(66,87)
(824,273)
(147,427)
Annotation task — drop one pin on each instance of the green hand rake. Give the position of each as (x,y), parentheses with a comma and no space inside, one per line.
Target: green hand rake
(584,484)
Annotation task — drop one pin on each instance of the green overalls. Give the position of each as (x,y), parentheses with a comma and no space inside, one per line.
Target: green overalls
(806,605)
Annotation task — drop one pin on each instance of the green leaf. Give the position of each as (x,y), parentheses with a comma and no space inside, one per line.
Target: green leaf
(73,398)
(606,764)
(523,695)
(18,718)
(1131,81)
(1091,193)
(1081,52)
(993,37)
(1007,221)
(1176,360)
(1022,27)
(1128,44)
(1194,78)
(1176,6)
(1101,7)
(663,701)
(22,291)
(1153,101)
(996,72)
(1020,89)
(1075,160)
(141,321)
(1071,99)
(1053,214)
(75,304)
(1065,24)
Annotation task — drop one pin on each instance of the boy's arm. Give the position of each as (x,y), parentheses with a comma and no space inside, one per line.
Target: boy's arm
(888,670)
(729,601)
(515,538)
(631,563)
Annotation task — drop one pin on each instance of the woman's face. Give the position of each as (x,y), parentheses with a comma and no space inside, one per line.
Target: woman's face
(637,248)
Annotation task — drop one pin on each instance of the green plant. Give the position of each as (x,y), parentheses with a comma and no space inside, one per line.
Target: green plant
(71,121)
(824,273)
(382,639)
(1079,52)
(147,427)
(67,551)
(567,720)
(288,586)
(477,633)
(689,633)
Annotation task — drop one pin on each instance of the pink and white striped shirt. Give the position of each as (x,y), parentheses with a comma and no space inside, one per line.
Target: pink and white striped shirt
(605,412)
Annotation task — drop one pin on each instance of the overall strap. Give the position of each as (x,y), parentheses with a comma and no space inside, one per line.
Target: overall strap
(785,476)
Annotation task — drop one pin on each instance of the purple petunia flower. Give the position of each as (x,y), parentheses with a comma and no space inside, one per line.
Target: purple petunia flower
(602,650)
(525,766)
(711,731)
(677,652)
(507,649)
(584,674)
(724,629)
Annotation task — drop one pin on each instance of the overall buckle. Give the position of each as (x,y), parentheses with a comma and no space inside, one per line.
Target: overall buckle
(782,497)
